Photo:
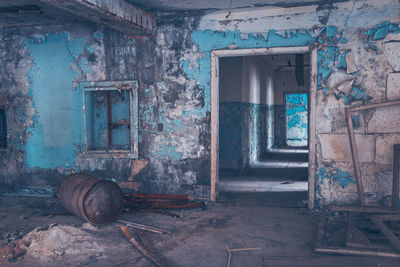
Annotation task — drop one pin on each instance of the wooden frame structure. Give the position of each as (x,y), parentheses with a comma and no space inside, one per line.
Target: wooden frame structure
(215,55)
(354,153)
(378,215)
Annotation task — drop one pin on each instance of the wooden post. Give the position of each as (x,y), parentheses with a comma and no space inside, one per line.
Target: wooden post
(354,156)
(396,163)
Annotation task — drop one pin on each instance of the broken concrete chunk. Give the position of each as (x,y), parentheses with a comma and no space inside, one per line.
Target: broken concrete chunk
(59,252)
(392,53)
(338,77)
(62,240)
(345,87)
(351,66)
(393,86)
(137,166)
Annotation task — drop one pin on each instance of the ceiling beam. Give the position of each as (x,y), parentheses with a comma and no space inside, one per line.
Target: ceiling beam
(117,14)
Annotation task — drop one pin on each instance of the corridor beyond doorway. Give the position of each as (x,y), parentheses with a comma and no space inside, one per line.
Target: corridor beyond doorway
(263,129)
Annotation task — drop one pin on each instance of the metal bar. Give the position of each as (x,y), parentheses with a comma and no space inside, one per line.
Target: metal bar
(358,252)
(158,196)
(145,227)
(134,117)
(354,156)
(109,118)
(396,171)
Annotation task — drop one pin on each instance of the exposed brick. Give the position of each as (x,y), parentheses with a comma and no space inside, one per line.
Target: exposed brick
(384,148)
(393,86)
(337,147)
(385,120)
(392,52)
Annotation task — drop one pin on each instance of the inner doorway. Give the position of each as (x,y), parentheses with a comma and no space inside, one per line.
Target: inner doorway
(296,117)
(263,121)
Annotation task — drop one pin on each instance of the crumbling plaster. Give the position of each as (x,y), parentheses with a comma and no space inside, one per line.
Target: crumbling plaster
(351,39)
(173,72)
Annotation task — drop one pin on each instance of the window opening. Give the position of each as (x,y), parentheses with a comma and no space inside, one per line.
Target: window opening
(110,116)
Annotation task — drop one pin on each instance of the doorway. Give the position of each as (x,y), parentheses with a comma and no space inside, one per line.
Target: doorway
(253,118)
(296,119)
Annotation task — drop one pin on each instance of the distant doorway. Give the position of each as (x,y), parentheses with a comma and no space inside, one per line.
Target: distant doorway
(296,119)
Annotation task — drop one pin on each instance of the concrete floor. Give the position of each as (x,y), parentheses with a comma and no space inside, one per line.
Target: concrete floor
(277,223)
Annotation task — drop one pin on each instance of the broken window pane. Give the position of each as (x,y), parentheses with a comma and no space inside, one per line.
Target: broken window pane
(108,119)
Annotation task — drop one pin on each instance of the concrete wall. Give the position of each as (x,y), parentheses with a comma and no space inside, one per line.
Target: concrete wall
(355,41)
(45,111)
(242,111)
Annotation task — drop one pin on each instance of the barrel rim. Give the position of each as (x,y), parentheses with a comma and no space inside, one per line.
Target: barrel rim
(86,195)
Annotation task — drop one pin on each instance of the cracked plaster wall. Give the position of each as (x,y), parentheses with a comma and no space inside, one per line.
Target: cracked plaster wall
(40,83)
(173,71)
(353,40)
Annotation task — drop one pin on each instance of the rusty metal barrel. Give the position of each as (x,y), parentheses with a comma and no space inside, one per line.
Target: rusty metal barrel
(94,200)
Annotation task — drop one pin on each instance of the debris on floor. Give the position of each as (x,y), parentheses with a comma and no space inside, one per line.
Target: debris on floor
(230,250)
(159,202)
(141,248)
(52,241)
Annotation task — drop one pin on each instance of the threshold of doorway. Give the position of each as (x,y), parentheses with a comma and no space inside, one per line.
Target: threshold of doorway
(262,186)
(294,150)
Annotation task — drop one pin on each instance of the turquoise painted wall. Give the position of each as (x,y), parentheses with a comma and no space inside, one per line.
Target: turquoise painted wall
(56,130)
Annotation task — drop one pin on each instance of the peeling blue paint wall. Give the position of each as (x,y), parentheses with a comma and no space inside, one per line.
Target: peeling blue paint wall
(173,70)
(55,133)
(231,133)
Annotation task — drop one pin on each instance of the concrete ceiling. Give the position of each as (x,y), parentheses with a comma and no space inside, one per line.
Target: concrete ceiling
(209,5)
(15,13)
(119,15)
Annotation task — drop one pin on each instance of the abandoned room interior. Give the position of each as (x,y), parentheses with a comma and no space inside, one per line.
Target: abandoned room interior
(199,133)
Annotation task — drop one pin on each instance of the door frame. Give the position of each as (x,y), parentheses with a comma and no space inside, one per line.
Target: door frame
(215,55)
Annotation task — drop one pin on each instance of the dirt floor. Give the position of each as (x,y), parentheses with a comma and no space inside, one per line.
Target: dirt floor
(285,234)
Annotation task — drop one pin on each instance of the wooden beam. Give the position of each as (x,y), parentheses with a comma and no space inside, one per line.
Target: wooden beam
(378,220)
(312,129)
(362,209)
(214,126)
(354,156)
(396,170)
(357,252)
(353,145)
